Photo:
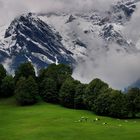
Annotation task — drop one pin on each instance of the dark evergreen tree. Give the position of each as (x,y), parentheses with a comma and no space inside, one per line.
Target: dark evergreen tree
(2,73)
(67,92)
(24,70)
(119,105)
(48,90)
(79,96)
(102,104)
(63,72)
(7,87)
(112,103)
(93,90)
(59,73)
(133,96)
(26,91)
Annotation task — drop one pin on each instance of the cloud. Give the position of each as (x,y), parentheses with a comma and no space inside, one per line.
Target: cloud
(132,28)
(67,5)
(9,10)
(118,69)
(7,63)
(12,8)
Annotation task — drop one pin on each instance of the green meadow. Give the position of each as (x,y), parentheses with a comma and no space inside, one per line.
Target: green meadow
(53,122)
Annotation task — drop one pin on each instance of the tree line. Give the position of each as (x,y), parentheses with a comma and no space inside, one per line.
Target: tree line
(55,84)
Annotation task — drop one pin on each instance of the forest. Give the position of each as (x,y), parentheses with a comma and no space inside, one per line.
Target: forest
(55,85)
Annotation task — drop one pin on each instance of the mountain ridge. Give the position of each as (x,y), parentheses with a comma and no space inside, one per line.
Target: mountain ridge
(59,37)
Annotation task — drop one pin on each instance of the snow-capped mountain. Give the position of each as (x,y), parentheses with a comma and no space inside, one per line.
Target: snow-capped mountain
(30,39)
(46,38)
(79,29)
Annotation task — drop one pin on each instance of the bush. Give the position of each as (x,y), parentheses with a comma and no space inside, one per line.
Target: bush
(26,91)
(7,87)
(67,92)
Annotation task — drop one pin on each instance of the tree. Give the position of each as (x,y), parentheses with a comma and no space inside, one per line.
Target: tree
(59,73)
(112,104)
(133,96)
(102,104)
(92,91)
(79,96)
(26,91)
(2,73)
(63,72)
(67,92)
(49,91)
(119,105)
(24,70)
(7,87)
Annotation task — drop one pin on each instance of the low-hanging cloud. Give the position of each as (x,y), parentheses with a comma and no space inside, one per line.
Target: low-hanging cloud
(119,69)
(12,8)
(132,28)
(9,10)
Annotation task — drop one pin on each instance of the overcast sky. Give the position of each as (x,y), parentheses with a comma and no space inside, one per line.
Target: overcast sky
(11,8)
(118,69)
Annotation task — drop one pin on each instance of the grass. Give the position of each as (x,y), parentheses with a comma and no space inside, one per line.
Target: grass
(53,122)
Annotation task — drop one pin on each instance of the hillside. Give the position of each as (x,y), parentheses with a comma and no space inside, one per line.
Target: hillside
(52,122)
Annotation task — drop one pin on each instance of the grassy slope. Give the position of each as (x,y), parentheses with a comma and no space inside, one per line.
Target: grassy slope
(52,122)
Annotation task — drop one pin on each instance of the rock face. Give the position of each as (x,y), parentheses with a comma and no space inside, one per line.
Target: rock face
(30,39)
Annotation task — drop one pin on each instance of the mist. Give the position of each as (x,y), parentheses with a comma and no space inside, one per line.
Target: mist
(10,9)
(132,28)
(118,69)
